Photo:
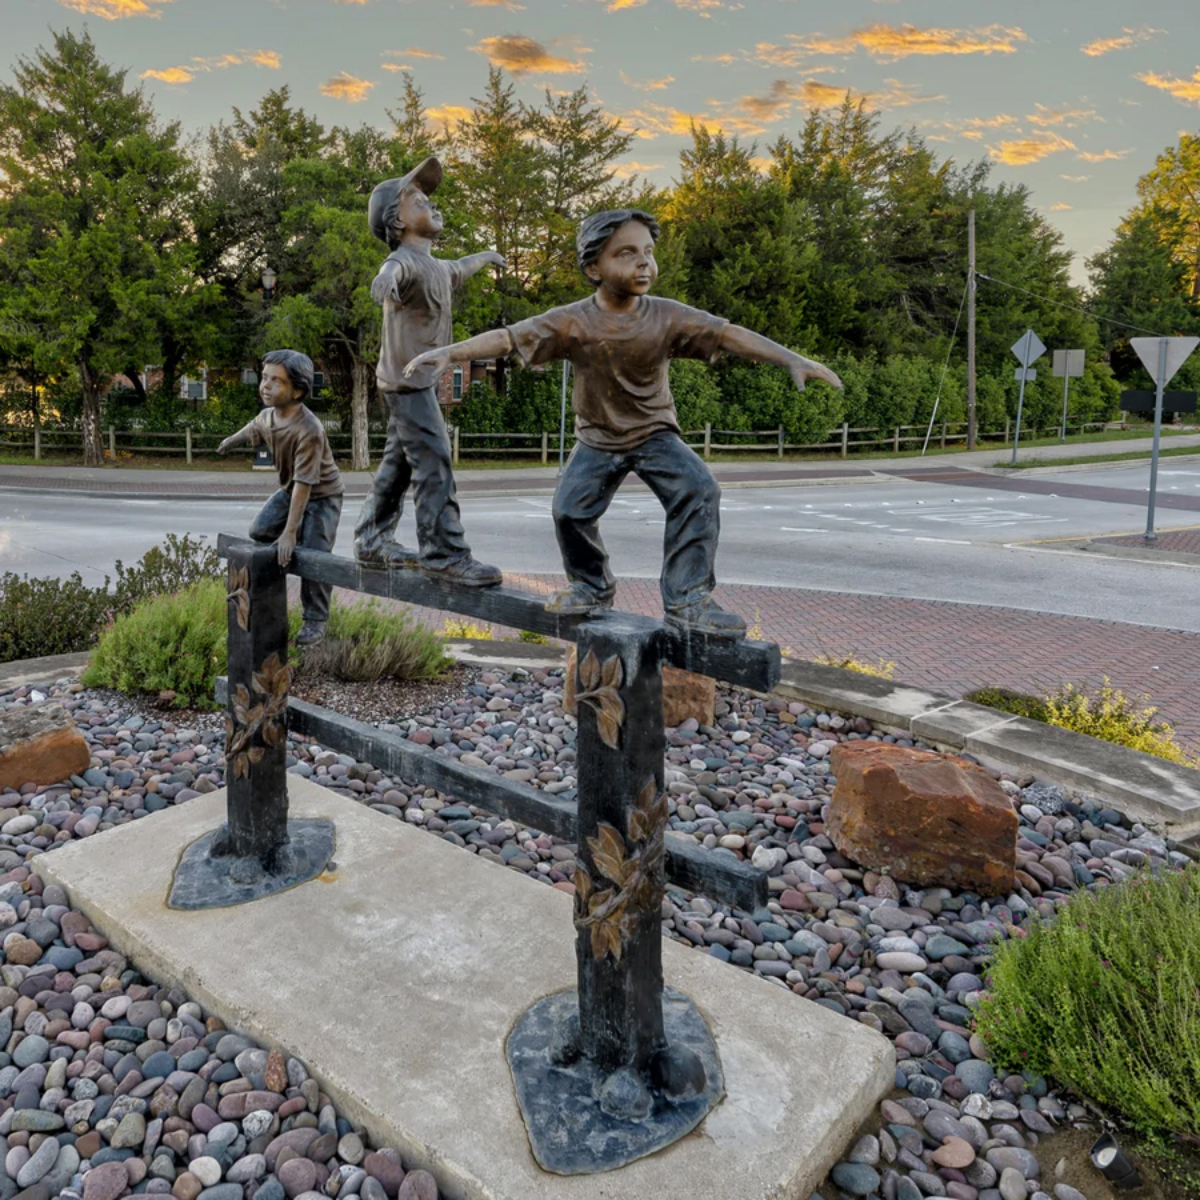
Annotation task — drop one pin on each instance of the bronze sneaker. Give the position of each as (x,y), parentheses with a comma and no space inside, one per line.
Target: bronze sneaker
(577,600)
(708,617)
(466,572)
(388,556)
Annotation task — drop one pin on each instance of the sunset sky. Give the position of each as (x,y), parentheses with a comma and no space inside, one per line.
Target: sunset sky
(1073,98)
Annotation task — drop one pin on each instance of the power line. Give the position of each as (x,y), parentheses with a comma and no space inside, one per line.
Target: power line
(945,368)
(1073,307)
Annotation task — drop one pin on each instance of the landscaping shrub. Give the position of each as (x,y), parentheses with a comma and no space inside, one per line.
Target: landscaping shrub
(166,643)
(850,662)
(177,564)
(1108,714)
(1106,999)
(365,643)
(1111,715)
(49,616)
(1017,703)
(456,627)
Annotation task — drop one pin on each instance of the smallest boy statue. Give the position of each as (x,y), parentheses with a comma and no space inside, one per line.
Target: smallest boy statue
(306,508)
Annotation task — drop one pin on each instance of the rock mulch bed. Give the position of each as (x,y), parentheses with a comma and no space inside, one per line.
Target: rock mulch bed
(109,1083)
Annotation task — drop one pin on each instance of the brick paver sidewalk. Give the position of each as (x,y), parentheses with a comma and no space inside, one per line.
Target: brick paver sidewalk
(1174,541)
(950,647)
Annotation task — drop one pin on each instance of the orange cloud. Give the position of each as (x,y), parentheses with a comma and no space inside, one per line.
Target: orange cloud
(1022,151)
(1101,156)
(621,5)
(217,62)
(901,95)
(413,52)
(511,5)
(396,66)
(344,86)
(1187,90)
(1128,39)
(445,118)
(266,58)
(649,85)
(1069,117)
(115,10)
(889,43)
(703,7)
(170,75)
(1060,207)
(629,169)
(1075,178)
(522,55)
(715,58)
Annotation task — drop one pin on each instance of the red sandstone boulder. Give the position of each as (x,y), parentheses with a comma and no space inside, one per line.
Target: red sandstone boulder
(924,818)
(684,693)
(40,745)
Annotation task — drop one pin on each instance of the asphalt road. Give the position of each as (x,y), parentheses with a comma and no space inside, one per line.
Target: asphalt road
(896,538)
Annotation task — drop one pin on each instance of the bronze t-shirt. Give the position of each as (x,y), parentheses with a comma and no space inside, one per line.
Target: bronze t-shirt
(622,394)
(416,318)
(300,450)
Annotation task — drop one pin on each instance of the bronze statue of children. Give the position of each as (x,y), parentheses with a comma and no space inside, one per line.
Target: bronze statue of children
(305,509)
(414,289)
(620,341)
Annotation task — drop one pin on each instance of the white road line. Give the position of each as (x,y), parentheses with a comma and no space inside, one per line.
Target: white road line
(795,529)
(944,541)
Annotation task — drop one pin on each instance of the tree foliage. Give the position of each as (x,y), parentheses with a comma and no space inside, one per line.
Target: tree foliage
(97,265)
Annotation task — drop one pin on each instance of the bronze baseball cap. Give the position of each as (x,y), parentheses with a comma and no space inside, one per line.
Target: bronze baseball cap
(426,175)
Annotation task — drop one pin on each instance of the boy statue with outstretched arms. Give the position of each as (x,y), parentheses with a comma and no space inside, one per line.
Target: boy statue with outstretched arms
(306,508)
(620,341)
(414,289)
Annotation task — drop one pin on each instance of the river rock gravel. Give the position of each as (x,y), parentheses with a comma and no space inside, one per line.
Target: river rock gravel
(111,1084)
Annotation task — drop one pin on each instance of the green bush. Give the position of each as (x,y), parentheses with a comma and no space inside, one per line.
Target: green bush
(176,564)
(166,643)
(365,643)
(1106,1000)
(1108,714)
(49,616)
(1017,703)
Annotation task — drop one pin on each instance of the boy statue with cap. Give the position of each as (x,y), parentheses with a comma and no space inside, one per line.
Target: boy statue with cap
(414,289)
(620,342)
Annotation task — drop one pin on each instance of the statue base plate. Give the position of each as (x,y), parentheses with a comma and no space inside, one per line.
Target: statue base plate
(569,1132)
(203,880)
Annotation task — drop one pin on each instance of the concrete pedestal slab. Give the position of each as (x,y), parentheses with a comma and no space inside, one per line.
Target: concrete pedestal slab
(397,975)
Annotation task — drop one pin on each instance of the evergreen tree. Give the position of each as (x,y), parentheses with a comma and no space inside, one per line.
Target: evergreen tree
(96,257)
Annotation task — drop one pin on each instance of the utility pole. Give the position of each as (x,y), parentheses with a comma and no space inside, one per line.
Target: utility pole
(971,330)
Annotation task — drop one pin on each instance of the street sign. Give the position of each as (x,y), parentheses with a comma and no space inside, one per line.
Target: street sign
(1162,357)
(1178,349)
(1069,363)
(1028,348)
(1173,402)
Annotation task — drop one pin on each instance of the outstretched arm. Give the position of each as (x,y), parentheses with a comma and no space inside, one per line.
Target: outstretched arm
(496,343)
(472,264)
(234,440)
(745,344)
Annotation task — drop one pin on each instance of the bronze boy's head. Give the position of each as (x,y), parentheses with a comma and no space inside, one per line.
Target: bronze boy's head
(287,378)
(630,265)
(402,204)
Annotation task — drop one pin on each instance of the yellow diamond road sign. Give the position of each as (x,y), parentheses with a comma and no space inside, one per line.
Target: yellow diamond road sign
(1178,349)
(1028,348)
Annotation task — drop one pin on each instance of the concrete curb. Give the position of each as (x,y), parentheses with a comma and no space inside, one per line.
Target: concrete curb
(1145,788)
(46,670)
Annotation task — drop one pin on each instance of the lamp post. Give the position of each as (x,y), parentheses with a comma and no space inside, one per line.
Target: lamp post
(262,456)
